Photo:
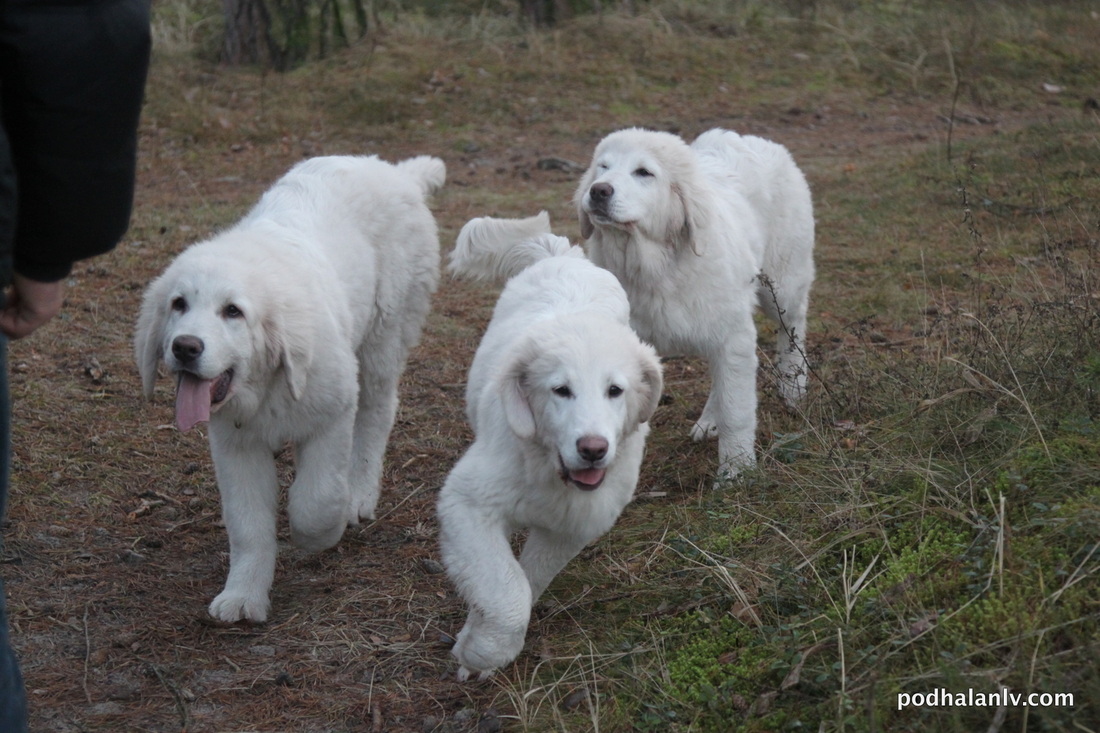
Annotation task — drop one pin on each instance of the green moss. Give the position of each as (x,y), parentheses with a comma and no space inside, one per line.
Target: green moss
(714,668)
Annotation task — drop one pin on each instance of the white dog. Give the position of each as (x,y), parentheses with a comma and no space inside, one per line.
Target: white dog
(294,326)
(698,235)
(559,395)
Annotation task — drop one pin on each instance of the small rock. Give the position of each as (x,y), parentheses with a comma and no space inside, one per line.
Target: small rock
(431,567)
(464,714)
(489,722)
(559,164)
(122,687)
(131,558)
(94,370)
(574,699)
(106,708)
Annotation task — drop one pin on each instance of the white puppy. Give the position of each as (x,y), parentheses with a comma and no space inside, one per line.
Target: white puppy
(698,235)
(294,326)
(559,395)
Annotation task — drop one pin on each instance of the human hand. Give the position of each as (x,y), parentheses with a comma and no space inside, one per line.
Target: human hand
(29,304)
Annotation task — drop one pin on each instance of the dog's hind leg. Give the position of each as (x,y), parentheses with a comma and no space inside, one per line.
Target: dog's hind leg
(788,312)
(319,501)
(706,427)
(733,390)
(380,374)
(791,363)
(249,495)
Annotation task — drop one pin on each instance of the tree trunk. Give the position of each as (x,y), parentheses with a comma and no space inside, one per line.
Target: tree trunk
(247,32)
(283,33)
(537,12)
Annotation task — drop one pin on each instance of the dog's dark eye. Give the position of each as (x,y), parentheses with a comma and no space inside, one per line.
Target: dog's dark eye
(179,305)
(563,391)
(643,173)
(232,311)
(614,391)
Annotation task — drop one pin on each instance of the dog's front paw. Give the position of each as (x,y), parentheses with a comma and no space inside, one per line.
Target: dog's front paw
(232,607)
(724,479)
(730,471)
(316,540)
(792,388)
(704,429)
(363,510)
(465,675)
(480,653)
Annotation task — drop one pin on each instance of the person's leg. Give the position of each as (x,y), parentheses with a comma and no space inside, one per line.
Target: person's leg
(13,695)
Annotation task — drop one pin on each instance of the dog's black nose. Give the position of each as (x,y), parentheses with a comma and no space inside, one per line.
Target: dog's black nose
(592,447)
(601,192)
(187,348)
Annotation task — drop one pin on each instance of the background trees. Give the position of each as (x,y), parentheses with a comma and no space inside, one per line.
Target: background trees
(282,33)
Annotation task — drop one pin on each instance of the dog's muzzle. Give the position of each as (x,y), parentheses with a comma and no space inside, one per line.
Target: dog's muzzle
(599,199)
(592,450)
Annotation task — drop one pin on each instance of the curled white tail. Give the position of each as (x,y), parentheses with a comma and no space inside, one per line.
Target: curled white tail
(497,249)
(428,172)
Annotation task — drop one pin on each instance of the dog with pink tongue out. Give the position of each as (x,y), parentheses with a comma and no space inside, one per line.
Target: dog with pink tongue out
(559,397)
(293,326)
(196,397)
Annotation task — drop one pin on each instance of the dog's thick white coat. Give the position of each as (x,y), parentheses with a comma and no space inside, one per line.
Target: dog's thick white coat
(559,395)
(294,326)
(698,236)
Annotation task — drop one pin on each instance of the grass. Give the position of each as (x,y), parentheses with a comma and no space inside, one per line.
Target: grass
(929,518)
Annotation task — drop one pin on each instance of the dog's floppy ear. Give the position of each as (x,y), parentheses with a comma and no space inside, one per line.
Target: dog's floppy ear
(587,228)
(290,346)
(689,205)
(149,334)
(514,396)
(647,396)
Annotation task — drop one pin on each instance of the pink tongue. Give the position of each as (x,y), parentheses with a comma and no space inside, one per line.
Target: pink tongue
(587,477)
(192,401)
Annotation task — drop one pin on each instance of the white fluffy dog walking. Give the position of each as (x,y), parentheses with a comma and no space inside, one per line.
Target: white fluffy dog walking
(698,235)
(294,326)
(559,395)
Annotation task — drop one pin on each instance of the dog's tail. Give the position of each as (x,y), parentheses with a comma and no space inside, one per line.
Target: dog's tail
(497,249)
(428,172)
